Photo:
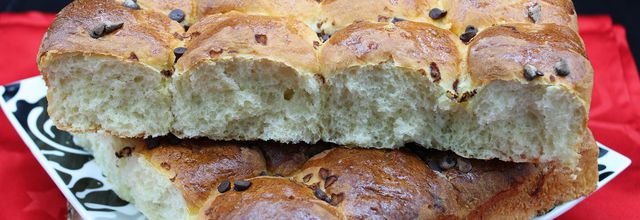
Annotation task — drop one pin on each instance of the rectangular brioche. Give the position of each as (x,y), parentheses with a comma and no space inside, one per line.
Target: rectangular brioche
(173,179)
(509,80)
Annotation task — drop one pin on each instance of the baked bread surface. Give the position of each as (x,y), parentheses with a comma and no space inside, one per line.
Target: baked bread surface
(484,79)
(331,182)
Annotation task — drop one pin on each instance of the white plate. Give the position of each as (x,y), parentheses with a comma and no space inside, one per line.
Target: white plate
(82,183)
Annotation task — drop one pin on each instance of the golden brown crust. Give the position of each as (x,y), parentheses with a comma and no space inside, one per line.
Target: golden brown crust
(197,167)
(233,35)
(549,185)
(284,159)
(145,35)
(388,184)
(410,183)
(407,44)
(338,14)
(269,198)
(501,52)
(304,10)
(164,7)
(376,183)
(486,13)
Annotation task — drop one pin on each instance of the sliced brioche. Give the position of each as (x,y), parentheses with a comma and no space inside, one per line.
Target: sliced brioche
(113,81)
(514,85)
(306,11)
(418,88)
(184,180)
(247,77)
(170,181)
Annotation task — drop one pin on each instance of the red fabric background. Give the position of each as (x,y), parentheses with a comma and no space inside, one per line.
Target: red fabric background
(28,193)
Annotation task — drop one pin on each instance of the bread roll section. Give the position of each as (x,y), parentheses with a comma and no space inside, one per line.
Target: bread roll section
(201,179)
(248,77)
(484,79)
(105,66)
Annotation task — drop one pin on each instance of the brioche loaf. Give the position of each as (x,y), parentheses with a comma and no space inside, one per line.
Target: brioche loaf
(484,79)
(167,178)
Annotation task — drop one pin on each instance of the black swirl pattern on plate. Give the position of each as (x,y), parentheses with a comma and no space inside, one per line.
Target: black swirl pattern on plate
(66,159)
(10,91)
(73,158)
(601,167)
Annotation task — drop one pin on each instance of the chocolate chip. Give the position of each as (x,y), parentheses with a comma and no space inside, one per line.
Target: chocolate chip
(562,68)
(467,95)
(166,73)
(471,28)
(531,72)
(463,165)
(132,4)
(215,52)
(111,27)
(324,173)
(261,39)
(241,185)
(152,142)
(455,85)
(435,72)
(124,152)
(436,13)
(186,28)
(132,56)
(177,15)
(179,51)
(468,34)
(395,20)
(307,177)
(97,31)
(165,166)
(263,173)
(447,162)
(336,198)
(173,139)
(330,180)
(322,195)
(103,29)
(224,186)
(434,165)
(534,12)
(382,18)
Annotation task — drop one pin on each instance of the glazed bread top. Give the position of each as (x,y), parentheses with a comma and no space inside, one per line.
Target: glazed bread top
(462,47)
(143,36)
(500,52)
(269,29)
(239,35)
(244,180)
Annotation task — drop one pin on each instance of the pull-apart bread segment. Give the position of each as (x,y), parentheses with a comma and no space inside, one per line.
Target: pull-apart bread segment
(537,118)
(201,179)
(106,69)
(390,84)
(484,78)
(386,83)
(248,77)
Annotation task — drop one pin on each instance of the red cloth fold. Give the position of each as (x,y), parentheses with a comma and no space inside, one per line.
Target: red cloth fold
(28,193)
